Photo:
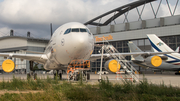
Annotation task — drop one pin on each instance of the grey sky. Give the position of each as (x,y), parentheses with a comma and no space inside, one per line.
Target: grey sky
(36,15)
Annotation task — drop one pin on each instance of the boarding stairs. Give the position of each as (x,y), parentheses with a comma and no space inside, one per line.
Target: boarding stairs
(132,73)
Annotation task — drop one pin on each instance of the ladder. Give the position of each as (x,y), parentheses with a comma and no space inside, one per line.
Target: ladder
(129,69)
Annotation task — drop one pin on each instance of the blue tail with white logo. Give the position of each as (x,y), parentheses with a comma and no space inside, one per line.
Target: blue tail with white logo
(157,44)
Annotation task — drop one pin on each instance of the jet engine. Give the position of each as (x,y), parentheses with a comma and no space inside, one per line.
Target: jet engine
(8,65)
(153,61)
(112,65)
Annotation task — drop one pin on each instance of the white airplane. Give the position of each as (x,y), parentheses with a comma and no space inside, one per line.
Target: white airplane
(71,41)
(171,61)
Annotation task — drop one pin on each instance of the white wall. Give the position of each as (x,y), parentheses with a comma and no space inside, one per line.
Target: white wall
(36,44)
(12,42)
(138,34)
(137,25)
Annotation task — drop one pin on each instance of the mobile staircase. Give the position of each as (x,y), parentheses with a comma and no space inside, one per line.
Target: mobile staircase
(130,72)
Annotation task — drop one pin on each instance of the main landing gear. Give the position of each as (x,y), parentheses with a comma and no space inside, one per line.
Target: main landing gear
(57,74)
(32,73)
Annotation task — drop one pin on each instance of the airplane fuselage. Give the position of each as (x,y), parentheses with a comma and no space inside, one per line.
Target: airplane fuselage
(172,63)
(69,42)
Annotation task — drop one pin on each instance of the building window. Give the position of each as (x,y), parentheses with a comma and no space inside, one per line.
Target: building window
(125,43)
(172,46)
(141,42)
(172,39)
(119,44)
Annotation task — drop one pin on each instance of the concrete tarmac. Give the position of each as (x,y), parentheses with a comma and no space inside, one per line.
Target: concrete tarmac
(167,79)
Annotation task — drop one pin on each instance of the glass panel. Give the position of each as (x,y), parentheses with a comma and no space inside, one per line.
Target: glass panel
(82,30)
(96,52)
(126,50)
(147,42)
(119,44)
(93,69)
(135,42)
(98,69)
(114,44)
(178,38)
(98,64)
(172,39)
(93,64)
(141,43)
(125,43)
(75,30)
(178,45)
(67,31)
(119,50)
(165,39)
(103,69)
(128,57)
(98,59)
(103,64)
(172,46)
(88,31)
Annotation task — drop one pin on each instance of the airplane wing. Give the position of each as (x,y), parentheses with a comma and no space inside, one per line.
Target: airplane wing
(40,58)
(98,56)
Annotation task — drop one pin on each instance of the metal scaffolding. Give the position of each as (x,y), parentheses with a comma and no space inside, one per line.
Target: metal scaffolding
(139,6)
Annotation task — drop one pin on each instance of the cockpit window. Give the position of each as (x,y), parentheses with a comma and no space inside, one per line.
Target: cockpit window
(88,31)
(82,30)
(67,31)
(75,30)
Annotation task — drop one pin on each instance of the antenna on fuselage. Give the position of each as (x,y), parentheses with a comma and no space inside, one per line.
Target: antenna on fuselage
(51,29)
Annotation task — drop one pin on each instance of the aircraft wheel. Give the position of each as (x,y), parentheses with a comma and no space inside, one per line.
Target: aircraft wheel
(55,76)
(60,76)
(88,76)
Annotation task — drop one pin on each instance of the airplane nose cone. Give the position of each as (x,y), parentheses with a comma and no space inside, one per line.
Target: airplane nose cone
(81,43)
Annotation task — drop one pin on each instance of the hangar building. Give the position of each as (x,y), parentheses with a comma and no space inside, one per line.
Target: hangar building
(118,34)
(167,28)
(19,44)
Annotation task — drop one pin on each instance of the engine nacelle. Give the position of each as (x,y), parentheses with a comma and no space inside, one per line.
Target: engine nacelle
(153,61)
(8,65)
(112,66)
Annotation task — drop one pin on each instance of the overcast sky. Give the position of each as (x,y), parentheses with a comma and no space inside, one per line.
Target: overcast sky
(36,15)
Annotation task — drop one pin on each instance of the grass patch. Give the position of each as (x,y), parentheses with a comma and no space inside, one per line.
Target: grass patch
(105,91)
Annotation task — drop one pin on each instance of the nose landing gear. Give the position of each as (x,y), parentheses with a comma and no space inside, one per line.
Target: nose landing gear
(57,74)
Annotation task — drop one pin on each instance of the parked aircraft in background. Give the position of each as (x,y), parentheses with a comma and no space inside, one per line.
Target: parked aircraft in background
(171,62)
